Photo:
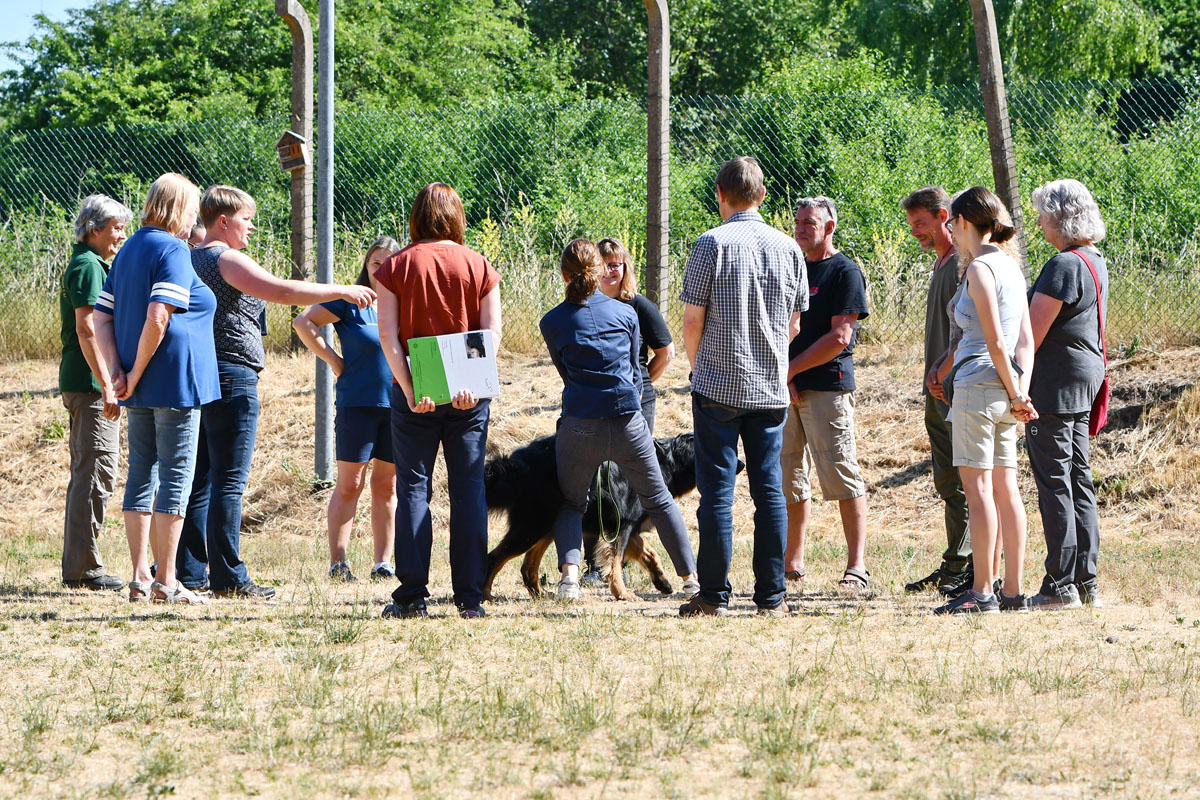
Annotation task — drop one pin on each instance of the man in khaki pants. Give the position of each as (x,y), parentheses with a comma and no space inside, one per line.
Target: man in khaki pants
(87,392)
(819,430)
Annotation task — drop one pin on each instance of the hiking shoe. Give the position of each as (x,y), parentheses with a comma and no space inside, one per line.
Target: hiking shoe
(341,572)
(699,608)
(471,612)
(778,611)
(969,603)
(383,572)
(1089,595)
(1065,598)
(1017,605)
(248,591)
(928,582)
(690,589)
(414,610)
(204,587)
(567,591)
(593,578)
(100,583)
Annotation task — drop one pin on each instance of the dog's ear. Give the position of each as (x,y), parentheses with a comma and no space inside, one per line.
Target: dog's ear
(661,450)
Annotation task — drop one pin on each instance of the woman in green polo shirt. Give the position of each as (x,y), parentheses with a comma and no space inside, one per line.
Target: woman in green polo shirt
(87,392)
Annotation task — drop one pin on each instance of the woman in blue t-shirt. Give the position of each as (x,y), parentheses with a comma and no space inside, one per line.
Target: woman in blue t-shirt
(154,323)
(363,422)
(593,342)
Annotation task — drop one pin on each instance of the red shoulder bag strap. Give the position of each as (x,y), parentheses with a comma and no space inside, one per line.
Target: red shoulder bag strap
(1099,305)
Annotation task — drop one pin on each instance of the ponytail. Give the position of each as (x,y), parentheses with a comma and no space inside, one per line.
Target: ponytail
(583,267)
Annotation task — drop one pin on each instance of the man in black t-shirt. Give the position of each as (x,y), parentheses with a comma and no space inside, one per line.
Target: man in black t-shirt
(819,430)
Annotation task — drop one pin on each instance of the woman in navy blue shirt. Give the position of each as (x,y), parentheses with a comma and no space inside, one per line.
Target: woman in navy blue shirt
(363,422)
(593,342)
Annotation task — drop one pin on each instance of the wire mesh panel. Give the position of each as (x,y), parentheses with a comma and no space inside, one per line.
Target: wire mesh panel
(534,175)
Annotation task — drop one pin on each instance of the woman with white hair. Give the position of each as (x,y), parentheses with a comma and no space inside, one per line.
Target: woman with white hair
(1067,308)
(87,392)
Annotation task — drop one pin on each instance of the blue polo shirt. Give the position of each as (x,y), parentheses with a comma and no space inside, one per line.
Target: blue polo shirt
(595,348)
(366,379)
(154,266)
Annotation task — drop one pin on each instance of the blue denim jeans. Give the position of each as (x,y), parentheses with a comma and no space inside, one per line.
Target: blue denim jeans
(212,530)
(162,458)
(718,428)
(462,436)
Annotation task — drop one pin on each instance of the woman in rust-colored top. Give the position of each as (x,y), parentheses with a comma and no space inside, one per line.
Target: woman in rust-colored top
(433,287)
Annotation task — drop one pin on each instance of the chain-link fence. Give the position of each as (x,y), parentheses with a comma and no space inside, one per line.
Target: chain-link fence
(535,175)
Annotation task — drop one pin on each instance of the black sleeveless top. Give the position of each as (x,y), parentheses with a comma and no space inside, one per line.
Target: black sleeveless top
(236,327)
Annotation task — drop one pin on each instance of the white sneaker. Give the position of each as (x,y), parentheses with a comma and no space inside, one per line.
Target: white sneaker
(568,590)
(690,589)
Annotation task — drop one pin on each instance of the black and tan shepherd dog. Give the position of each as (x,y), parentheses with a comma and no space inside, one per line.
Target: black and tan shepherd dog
(525,485)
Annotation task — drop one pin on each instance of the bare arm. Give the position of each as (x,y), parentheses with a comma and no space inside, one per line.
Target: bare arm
(658,364)
(693,330)
(242,273)
(308,329)
(1043,310)
(490,314)
(108,362)
(982,290)
(85,329)
(825,349)
(389,340)
(794,325)
(158,317)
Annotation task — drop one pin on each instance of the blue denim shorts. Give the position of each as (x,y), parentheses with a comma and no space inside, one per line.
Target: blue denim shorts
(162,459)
(363,433)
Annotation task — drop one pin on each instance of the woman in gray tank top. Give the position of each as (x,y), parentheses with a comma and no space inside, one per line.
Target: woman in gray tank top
(990,384)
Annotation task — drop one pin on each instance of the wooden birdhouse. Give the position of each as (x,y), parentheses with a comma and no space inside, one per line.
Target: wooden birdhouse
(293,152)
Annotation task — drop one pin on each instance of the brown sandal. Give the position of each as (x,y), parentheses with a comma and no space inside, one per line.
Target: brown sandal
(796,575)
(858,580)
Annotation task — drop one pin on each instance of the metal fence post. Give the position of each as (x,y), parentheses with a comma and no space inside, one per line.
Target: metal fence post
(324,383)
(658,153)
(302,123)
(995,107)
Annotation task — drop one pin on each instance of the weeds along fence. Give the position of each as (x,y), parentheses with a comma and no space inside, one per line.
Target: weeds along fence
(535,175)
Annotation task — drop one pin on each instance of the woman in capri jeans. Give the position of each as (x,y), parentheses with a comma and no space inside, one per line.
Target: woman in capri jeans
(593,342)
(154,323)
(229,424)
(1066,313)
(433,287)
(363,421)
(989,397)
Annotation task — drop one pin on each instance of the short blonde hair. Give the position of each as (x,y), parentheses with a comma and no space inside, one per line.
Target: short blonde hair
(613,247)
(167,202)
(227,200)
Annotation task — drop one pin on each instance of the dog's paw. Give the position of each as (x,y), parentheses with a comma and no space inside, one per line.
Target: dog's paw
(664,587)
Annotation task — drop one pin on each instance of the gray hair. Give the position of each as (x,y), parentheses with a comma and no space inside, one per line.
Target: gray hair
(1072,210)
(819,201)
(96,211)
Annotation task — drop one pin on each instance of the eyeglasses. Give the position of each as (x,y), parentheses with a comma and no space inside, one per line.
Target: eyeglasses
(950,223)
(612,265)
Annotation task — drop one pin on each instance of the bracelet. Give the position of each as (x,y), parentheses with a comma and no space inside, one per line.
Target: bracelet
(1022,398)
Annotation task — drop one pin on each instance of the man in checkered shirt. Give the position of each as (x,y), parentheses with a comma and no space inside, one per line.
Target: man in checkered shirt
(743,289)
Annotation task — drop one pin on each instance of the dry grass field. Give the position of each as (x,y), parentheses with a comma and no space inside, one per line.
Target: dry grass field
(314,695)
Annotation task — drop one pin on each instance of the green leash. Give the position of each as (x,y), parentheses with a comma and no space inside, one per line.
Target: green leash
(599,505)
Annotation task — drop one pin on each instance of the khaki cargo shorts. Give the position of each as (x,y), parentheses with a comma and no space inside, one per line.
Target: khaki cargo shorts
(819,431)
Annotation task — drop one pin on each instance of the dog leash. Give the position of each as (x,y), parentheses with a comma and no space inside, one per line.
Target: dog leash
(600,505)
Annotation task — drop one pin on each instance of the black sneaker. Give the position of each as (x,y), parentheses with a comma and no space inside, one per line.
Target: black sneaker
(248,591)
(778,611)
(968,603)
(928,582)
(383,572)
(341,572)
(99,583)
(414,610)
(1016,605)
(1065,598)
(471,612)
(954,584)
(1089,595)
(699,608)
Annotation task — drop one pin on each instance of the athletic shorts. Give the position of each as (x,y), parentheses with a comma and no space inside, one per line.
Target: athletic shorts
(819,432)
(363,433)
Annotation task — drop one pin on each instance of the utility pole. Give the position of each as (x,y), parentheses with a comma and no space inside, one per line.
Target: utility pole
(324,383)
(302,123)
(658,153)
(995,106)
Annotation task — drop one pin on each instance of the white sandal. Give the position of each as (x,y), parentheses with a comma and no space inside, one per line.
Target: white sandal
(161,593)
(139,592)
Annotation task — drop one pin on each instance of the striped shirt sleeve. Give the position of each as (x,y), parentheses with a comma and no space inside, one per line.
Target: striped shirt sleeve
(172,279)
(105,301)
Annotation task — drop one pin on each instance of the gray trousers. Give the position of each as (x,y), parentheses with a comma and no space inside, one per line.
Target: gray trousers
(93,444)
(581,446)
(948,484)
(1058,456)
